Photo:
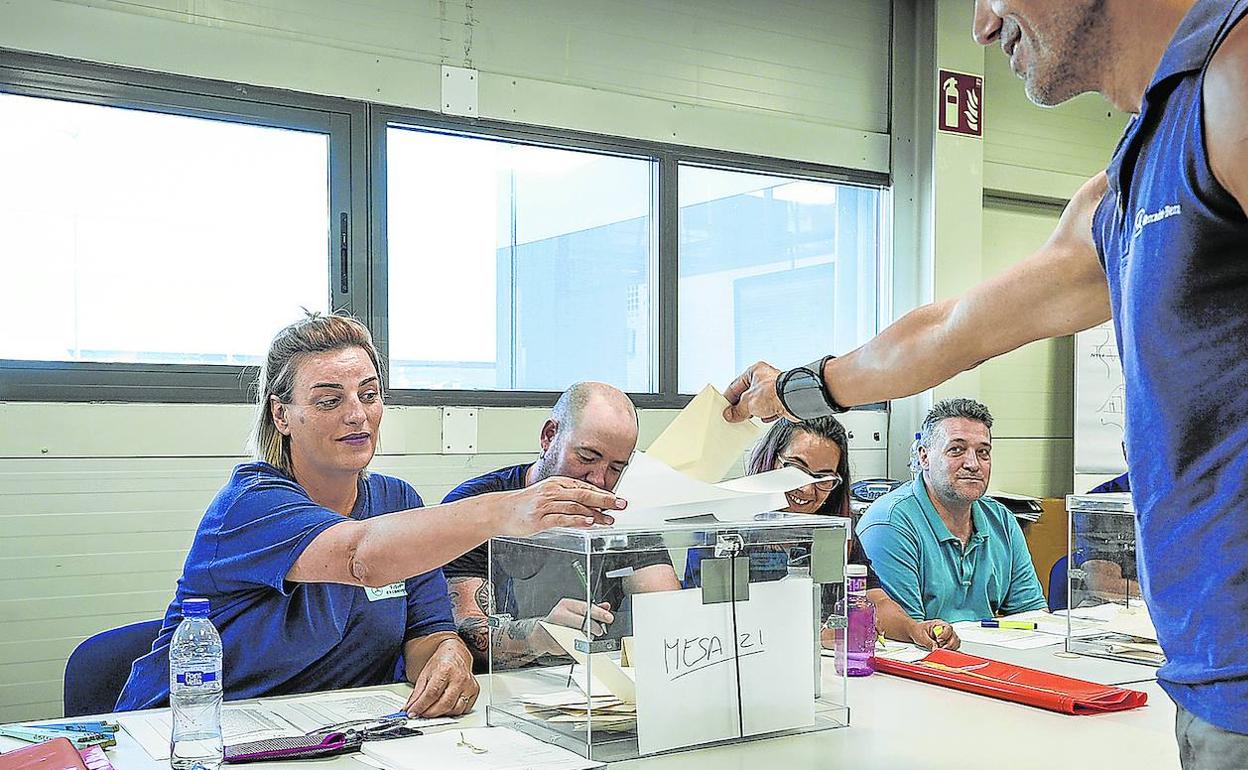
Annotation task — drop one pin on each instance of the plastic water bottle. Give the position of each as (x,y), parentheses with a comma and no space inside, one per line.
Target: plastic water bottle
(195,691)
(860,636)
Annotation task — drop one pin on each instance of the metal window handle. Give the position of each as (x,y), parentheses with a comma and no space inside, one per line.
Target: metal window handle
(344,266)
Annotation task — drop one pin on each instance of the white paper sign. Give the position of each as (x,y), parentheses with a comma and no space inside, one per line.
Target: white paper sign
(1100,402)
(687,659)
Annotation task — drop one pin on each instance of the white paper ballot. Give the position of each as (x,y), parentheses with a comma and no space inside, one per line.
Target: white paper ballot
(700,442)
(657,493)
(687,660)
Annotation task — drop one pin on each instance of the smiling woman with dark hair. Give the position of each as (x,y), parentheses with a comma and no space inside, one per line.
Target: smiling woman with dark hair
(820,448)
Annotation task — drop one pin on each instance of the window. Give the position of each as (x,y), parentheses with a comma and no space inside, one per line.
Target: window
(159,230)
(772,268)
(141,237)
(517,267)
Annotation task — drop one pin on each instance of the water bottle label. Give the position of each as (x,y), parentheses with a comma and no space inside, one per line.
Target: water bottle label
(392,591)
(196,678)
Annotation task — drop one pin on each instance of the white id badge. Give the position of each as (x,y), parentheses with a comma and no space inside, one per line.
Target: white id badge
(392,591)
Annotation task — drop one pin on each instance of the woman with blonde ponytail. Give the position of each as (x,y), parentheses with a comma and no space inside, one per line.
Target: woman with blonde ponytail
(321,575)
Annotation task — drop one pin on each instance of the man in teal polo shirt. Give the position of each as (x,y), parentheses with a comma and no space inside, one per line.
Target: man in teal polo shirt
(941,548)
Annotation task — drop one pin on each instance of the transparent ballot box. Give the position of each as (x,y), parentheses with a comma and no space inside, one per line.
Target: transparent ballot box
(618,643)
(1107,616)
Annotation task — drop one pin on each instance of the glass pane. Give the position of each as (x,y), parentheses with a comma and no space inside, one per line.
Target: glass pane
(514,267)
(772,269)
(134,236)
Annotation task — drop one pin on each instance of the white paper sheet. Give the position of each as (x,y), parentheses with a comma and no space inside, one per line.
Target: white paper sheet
(891,649)
(700,443)
(1011,638)
(602,668)
(1133,621)
(1100,401)
(504,750)
(1054,624)
(687,664)
(312,712)
(657,494)
(317,710)
(239,724)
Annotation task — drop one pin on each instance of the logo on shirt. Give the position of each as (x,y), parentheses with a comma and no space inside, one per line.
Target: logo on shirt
(392,591)
(1144,218)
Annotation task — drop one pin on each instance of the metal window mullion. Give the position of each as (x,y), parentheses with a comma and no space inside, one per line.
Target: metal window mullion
(667,221)
(376,187)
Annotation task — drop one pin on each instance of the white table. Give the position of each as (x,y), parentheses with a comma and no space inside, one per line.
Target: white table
(1055,659)
(900,723)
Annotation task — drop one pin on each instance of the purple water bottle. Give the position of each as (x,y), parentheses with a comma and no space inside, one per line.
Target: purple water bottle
(860,637)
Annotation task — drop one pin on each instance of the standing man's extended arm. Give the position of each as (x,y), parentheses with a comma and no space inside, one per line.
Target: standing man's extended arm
(1058,290)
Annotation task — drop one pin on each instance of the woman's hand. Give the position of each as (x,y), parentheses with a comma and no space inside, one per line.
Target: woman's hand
(445,686)
(557,502)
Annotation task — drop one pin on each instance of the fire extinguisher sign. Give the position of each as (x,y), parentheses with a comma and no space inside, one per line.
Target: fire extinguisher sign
(960,103)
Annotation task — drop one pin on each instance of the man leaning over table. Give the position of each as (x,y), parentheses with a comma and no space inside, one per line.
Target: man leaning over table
(942,549)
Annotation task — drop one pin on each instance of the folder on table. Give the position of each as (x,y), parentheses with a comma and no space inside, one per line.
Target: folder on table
(1014,683)
(56,754)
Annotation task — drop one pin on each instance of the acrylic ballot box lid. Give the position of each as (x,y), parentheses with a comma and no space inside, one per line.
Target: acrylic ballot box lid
(685,532)
(1105,502)
(739,642)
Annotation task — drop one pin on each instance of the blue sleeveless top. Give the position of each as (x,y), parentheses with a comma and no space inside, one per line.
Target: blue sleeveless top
(1174,244)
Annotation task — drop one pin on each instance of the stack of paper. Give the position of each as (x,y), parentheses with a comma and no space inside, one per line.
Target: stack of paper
(608,690)
(605,712)
(1024,507)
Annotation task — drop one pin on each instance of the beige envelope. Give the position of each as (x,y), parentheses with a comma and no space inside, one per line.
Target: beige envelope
(700,442)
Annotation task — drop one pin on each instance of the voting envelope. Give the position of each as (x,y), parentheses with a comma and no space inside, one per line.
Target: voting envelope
(700,443)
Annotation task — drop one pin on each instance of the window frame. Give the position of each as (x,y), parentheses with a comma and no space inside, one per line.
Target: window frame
(666,234)
(342,122)
(356,132)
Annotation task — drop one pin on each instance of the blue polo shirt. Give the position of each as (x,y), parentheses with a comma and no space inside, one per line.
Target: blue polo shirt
(924,567)
(280,637)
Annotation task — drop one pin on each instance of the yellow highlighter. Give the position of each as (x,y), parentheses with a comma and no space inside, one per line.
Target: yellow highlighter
(936,632)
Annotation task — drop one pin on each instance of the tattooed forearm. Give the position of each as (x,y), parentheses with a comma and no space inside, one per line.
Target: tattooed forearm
(472,603)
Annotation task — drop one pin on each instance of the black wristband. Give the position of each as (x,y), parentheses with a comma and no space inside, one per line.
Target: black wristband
(803,393)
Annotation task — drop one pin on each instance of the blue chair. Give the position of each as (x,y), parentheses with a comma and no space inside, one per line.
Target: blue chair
(98,668)
(1058,596)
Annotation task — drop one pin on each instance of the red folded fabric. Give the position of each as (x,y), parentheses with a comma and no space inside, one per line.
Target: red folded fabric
(1015,683)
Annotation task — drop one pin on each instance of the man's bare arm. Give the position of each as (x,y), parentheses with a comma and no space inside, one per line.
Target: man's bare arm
(1226,114)
(1060,289)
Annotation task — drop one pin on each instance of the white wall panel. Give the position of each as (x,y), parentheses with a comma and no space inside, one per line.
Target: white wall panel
(806,80)
(1046,152)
